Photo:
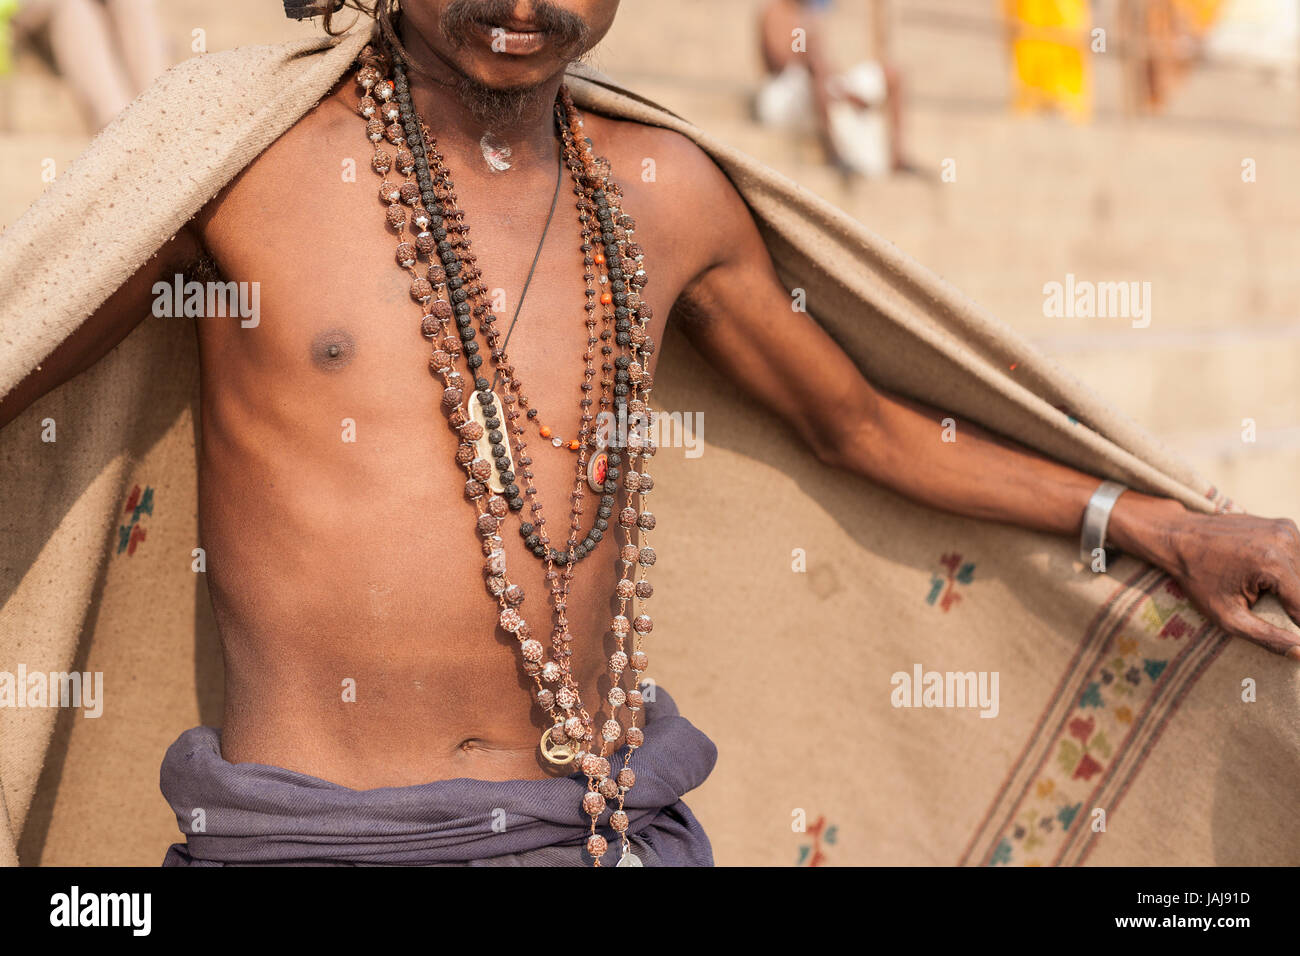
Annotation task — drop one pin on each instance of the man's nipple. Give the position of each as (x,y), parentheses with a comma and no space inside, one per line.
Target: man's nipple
(332,350)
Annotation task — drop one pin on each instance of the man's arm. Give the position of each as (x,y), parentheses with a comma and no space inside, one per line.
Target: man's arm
(737,313)
(104,329)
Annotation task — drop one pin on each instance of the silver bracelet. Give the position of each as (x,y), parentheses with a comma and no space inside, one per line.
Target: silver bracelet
(1095,518)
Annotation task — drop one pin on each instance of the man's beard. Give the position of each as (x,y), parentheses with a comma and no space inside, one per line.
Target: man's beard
(496,109)
(501,108)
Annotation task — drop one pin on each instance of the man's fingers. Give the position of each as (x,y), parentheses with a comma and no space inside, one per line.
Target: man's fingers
(1288,593)
(1242,623)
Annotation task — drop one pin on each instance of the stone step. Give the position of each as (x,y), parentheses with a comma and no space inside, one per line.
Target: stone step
(1180,382)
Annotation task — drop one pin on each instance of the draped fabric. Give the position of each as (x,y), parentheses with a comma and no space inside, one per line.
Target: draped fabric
(791,596)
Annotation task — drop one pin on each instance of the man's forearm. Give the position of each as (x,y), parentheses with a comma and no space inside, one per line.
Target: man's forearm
(982,475)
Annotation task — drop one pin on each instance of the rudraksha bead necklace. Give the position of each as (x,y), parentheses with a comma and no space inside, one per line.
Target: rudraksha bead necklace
(451,287)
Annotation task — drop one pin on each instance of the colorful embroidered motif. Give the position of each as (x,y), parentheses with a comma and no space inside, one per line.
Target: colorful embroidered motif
(944,589)
(812,855)
(131,534)
(1139,657)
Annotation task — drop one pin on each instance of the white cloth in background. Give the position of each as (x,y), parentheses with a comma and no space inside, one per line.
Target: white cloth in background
(860,136)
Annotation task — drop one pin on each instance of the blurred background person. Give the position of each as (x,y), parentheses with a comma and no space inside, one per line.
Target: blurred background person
(1165,39)
(107,50)
(854,114)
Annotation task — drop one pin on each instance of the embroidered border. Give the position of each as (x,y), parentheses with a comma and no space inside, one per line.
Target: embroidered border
(1140,655)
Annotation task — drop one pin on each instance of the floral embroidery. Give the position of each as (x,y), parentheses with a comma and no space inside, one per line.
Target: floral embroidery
(944,589)
(1102,724)
(131,534)
(811,854)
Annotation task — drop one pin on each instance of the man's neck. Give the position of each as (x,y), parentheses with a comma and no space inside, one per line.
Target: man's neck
(458,130)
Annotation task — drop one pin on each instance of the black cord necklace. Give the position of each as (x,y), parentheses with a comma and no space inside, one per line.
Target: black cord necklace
(555,199)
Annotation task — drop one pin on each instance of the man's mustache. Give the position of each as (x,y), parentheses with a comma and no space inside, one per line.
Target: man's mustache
(568,30)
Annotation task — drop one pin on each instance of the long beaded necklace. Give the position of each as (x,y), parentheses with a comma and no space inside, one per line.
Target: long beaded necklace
(451,288)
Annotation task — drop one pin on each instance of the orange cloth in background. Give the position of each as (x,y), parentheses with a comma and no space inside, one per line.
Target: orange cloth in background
(1049,52)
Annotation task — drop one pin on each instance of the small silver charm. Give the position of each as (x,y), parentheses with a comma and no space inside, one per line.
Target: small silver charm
(495,153)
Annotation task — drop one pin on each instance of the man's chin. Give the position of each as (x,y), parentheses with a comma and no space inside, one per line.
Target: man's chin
(498,105)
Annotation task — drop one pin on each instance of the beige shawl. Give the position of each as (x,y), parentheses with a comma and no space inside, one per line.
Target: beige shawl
(1127,729)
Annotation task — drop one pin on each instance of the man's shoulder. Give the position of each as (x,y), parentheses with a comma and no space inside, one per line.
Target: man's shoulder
(664,164)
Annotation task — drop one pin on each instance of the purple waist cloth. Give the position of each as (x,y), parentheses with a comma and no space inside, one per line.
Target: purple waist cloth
(254,814)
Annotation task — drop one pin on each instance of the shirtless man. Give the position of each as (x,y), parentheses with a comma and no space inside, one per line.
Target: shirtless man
(329,559)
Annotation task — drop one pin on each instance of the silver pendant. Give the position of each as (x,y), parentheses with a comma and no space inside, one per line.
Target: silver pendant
(495,153)
(629,859)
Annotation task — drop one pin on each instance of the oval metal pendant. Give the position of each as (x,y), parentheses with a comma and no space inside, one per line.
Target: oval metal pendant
(597,469)
(558,754)
(629,859)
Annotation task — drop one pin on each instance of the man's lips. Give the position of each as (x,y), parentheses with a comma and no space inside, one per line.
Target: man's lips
(514,41)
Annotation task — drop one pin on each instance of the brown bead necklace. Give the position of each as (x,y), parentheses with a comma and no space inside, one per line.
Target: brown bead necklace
(452,288)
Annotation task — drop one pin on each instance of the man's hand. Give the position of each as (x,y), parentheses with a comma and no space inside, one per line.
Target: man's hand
(1224,563)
